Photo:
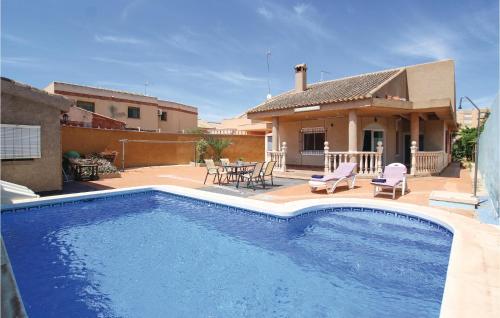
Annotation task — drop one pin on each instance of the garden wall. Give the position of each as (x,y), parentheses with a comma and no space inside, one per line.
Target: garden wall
(489,156)
(89,140)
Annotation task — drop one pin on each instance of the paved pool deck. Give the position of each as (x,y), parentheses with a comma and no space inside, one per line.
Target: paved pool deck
(285,190)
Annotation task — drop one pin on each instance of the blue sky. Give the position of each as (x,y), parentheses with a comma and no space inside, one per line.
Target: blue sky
(212,54)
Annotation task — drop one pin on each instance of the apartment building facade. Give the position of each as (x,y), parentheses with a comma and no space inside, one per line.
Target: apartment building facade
(468,117)
(140,112)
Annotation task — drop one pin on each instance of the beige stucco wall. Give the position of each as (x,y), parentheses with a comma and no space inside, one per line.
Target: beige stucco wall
(337,136)
(434,135)
(431,81)
(396,87)
(42,174)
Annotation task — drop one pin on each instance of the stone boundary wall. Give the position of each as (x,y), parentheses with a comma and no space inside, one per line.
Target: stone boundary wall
(89,140)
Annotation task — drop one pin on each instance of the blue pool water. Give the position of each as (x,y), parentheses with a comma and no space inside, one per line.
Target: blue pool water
(160,255)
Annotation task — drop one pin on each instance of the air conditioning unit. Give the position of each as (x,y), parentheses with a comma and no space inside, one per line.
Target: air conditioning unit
(160,112)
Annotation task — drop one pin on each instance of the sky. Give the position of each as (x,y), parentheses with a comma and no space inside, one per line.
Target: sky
(212,54)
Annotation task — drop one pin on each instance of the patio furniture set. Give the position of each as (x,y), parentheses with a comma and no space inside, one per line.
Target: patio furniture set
(239,171)
(393,177)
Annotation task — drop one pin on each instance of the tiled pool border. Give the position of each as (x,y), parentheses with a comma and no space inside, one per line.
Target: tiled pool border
(345,208)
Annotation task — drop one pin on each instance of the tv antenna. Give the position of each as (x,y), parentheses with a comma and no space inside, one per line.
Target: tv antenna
(146,87)
(268,55)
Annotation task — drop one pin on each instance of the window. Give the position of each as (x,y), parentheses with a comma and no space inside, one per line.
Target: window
(314,141)
(163,116)
(20,142)
(134,112)
(86,105)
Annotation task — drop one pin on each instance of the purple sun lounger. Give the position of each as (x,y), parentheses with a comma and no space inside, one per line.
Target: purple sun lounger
(394,177)
(344,172)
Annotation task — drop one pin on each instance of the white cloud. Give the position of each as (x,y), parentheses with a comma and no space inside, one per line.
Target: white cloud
(14,38)
(300,8)
(229,76)
(129,7)
(117,39)
(300,18)
(232,77)
(428,46)
(265,13)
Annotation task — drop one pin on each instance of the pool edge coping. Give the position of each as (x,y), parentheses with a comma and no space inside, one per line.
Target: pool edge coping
(458,293)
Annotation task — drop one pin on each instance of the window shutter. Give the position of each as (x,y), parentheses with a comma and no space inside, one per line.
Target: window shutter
(20,142)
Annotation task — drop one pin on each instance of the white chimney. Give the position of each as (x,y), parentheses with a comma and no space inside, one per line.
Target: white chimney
(300,77)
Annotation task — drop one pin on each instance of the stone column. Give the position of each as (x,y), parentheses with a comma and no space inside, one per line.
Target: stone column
(283,158)
(275,133)
(380,153)
(415,127)
(327,158)
(414,149)
(353,134)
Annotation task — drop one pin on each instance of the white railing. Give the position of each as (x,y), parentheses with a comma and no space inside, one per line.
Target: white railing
(427,162)
(227,131)
(369,162)
(279,156)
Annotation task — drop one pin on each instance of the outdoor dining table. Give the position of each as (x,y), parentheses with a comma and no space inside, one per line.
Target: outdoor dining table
(239,168)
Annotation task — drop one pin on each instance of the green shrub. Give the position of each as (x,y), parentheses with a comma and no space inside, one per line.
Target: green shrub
(201,150)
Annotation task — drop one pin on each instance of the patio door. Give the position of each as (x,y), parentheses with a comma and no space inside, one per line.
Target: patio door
(370,139)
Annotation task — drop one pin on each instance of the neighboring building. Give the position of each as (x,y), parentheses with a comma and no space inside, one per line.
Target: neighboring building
(80,117)
(395,106)
(468,117)
(31,136)
(240,125)
(137,111)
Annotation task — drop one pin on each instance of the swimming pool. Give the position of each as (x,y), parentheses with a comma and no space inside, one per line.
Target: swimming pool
(153,254)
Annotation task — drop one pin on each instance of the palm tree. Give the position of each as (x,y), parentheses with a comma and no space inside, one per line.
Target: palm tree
(218,146)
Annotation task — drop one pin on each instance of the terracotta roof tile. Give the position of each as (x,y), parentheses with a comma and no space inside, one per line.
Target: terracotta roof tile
(339,90)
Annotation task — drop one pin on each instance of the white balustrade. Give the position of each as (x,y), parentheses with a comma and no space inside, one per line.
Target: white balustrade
(369,162)
(427,162)
(430,162)
(279,156)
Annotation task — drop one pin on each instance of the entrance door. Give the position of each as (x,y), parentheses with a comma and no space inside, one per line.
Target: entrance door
(407,147)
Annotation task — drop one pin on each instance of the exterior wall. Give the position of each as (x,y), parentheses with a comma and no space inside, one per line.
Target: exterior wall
(45,173)
(434,132)
(396,87)
(88,140)
(468,118)
(177,121)
(434,135)
(431,81)
(114,104)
